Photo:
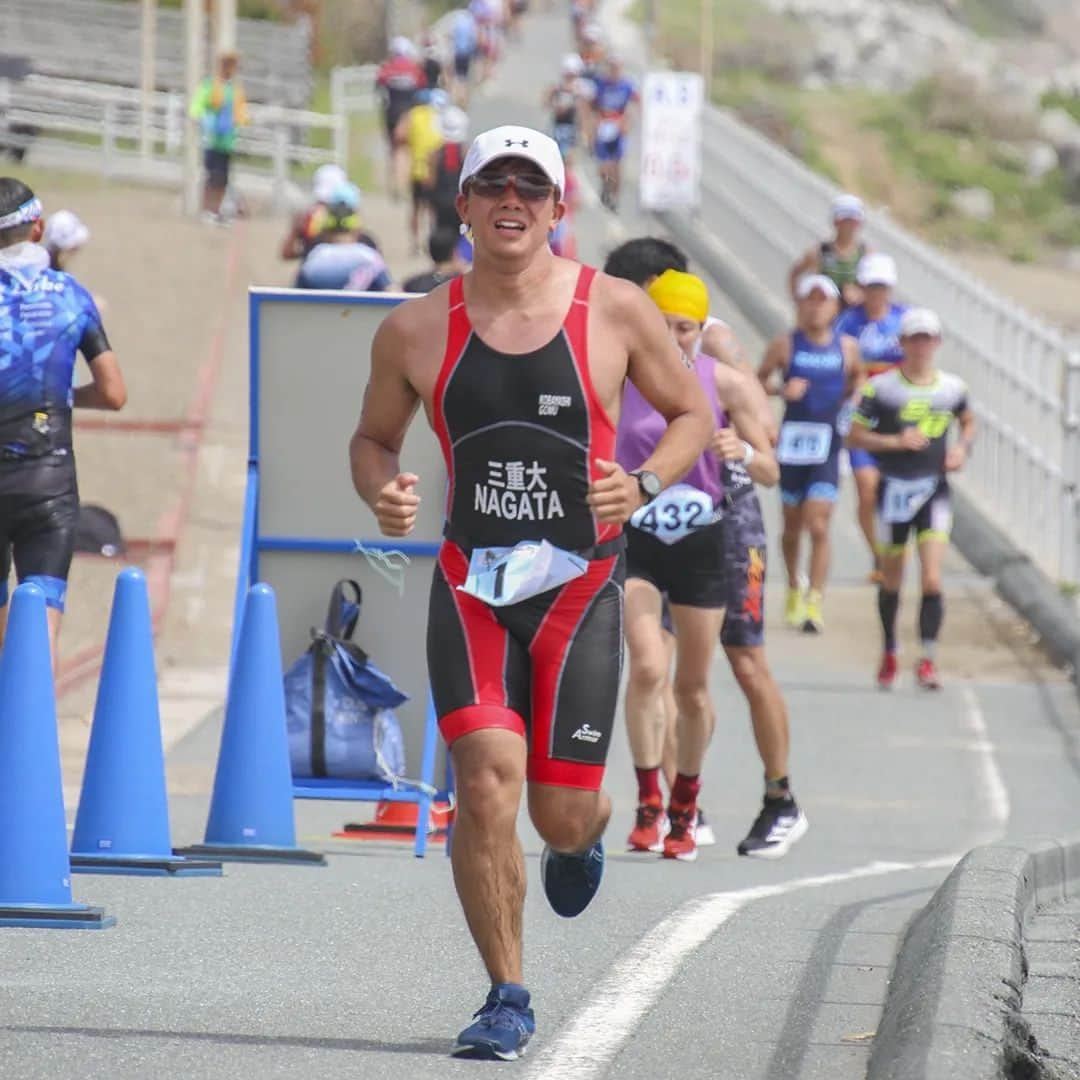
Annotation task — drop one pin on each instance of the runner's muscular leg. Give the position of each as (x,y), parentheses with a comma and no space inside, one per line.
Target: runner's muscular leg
(768,710)
(697,631)
(791,541)
(817,514)
(489,868)
(866,486)
(570,820)
(649,667)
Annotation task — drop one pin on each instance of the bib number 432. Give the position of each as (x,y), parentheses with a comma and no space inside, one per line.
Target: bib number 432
(675,513)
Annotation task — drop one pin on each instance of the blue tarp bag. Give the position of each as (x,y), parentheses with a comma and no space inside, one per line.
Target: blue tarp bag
(339,705)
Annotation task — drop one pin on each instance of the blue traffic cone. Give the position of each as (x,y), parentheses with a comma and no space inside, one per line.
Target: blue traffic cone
(251,811)
(35,879)
(122,826)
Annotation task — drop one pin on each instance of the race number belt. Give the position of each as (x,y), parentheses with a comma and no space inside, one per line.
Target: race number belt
(500,575)
(803,443)
(608,131)
(903,499)
(675,513)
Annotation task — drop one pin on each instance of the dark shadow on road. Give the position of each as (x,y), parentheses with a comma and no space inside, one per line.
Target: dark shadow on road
(787,1059)
(439,1046)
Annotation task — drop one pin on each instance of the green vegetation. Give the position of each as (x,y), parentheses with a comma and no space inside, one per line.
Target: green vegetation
(1055,99)
(910,151)
(1001,18)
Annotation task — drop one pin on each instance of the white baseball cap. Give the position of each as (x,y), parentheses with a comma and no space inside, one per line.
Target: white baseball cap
(511,140)
(64,231)
(877,268)
(453,124)
(848,207)
(402,46)
(327,179)
(920,320)
(572,64)
(591,31)
(809,282)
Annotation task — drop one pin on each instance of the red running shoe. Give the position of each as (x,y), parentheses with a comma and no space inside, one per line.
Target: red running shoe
(886,676)
(650,828)
(680,842)
(926,673)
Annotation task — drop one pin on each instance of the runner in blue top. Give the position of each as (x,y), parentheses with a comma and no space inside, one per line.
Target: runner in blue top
(614,95)
(820,371)
(46,316)
(875,324)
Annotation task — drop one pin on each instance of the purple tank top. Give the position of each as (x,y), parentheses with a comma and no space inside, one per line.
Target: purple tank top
(641,426)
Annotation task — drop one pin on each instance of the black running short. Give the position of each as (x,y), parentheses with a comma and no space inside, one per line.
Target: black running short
(690,572)
(547,668)
(744,568)
(217,167)
(39,509)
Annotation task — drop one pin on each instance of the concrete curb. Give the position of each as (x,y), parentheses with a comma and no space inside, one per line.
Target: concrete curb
(1017,580)
(953,1007)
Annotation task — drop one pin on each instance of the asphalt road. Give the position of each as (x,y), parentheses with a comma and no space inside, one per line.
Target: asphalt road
(726,968)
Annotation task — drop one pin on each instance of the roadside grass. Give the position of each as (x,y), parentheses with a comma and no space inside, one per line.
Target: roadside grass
(934,140)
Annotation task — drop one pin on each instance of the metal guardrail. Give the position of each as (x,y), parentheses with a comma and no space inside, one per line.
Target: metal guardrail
(100,41)
(1024,376)
(46,110)
(352,89)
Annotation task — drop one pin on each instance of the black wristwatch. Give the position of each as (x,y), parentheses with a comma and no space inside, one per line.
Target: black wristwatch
(648,483)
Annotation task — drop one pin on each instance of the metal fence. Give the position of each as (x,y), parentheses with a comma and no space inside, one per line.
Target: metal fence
(44,114)
(98,40)
(1023,375)
(352,89)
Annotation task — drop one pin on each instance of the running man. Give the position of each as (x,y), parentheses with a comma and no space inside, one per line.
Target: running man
(875,325)
(615,93)
(837,258)
(520,366)
(780,822)
(675,550)
(46,317)
(904,417)
(562,100)
(420,132)
(819,371)
(398,79)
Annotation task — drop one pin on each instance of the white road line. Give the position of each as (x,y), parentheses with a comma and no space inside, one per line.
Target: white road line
(587,1045)
(993,791)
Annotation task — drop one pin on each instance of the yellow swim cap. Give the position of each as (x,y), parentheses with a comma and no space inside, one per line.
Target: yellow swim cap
(675,293)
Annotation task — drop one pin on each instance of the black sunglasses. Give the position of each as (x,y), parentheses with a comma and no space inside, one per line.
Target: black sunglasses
(532,187)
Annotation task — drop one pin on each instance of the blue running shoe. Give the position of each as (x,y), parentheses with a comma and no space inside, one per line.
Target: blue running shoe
(571,881)
(501,1030)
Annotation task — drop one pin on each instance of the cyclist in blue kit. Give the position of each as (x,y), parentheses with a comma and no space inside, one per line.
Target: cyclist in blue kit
(614,95)
(46,317)
(819,369)
(875,325)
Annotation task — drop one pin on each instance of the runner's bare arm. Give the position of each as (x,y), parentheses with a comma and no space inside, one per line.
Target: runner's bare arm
(390,403)
(808,264)
(719,342)
(957,455)
(853,368)
(740,395)
(775,361)
(107,391)
(655,367)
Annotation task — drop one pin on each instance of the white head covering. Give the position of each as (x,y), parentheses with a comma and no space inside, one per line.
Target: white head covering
(64,232)
(512,140)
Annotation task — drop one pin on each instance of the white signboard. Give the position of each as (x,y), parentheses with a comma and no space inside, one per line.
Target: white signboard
(671,140)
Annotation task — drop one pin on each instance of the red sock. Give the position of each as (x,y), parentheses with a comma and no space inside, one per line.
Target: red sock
(685,790)
(648,785)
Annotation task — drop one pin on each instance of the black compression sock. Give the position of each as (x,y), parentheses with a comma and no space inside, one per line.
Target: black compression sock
(931,616)
(887,605)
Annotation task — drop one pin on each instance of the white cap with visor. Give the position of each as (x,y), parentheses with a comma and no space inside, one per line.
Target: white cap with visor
(920,320)
(810,283)
(512,141)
